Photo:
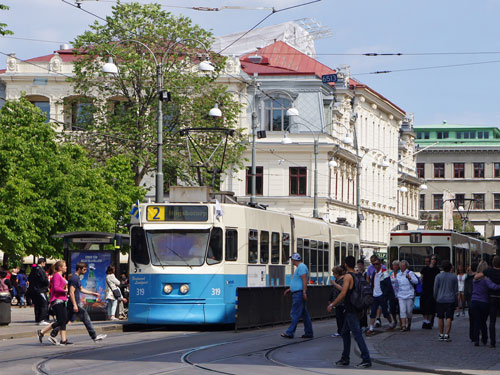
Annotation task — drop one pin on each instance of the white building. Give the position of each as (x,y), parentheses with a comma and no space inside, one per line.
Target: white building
(284,78)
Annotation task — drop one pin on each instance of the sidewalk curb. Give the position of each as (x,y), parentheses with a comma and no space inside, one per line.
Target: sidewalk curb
(76,330)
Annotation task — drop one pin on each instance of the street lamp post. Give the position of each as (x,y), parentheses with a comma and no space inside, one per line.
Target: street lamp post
(216,112)
(111,68)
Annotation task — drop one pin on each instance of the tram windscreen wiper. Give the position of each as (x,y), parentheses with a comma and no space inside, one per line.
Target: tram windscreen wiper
(157,257)
(181,258)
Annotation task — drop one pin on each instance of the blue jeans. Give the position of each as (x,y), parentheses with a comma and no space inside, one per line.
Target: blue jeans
(111,307)
(351,324)
(299,310)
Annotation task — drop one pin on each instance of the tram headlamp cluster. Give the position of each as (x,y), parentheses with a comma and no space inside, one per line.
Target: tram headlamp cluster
(167,288)
(184,288)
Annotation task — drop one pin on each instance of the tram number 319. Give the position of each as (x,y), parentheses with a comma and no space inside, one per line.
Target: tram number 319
(215,291)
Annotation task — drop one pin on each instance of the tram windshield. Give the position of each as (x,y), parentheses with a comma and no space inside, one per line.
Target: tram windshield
(178,247)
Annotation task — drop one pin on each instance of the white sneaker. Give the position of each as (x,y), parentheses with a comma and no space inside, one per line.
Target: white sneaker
(100,337)
(378,323)
(52,340)
(457,314)
(43,323)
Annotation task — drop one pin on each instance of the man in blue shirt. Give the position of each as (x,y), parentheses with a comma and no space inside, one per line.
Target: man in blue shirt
(298,288)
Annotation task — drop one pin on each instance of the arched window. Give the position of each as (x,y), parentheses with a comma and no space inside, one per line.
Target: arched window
(275,118)
(41,102)
(79,113)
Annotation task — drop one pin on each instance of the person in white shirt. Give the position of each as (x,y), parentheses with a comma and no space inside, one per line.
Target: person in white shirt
(406,280)
(382,291)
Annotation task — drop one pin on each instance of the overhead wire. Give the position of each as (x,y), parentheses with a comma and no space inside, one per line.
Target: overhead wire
(265,18)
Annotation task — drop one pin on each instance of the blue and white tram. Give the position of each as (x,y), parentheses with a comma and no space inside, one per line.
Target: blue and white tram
(187,259)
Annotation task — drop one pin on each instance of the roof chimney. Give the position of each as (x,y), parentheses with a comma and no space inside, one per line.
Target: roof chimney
(64,46)
(445,122)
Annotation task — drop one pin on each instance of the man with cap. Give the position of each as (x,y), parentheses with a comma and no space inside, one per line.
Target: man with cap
(298,288)
(38,288)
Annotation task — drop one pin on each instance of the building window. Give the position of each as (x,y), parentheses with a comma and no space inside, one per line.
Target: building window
(427,135)
(497,170)
(437,201)
(298,180)
(459,201)
(421,170)
(479,170)
(438,170)
(483,135)
(259,180)
(479,201)
(275,117)
(81,116)
(496,201)
(469,135)
(44,107)
(458,135)
(422,202)
(442,135)
(459,170)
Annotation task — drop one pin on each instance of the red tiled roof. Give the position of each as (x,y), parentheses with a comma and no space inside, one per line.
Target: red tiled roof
(66,55)
(280,58)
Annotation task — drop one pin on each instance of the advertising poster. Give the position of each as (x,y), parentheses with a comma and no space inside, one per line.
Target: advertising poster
(95,277)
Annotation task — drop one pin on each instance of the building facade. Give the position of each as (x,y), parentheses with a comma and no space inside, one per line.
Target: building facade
(344,133)
(464,160)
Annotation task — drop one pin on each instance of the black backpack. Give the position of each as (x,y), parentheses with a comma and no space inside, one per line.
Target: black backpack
(361,293)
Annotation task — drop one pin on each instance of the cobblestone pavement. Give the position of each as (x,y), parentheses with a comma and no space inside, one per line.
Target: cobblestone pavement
(421,348)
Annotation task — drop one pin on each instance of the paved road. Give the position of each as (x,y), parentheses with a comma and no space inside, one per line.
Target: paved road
(257,351)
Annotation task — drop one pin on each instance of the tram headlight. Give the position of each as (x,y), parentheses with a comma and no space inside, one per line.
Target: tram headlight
(167,288)
(184,288)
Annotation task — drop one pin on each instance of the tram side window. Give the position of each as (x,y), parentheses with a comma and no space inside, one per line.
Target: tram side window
(253,243)
(214,252)
(443,253)
(264,247)
(326,257)
(356,252)
(321,262)
(275,248)
(306,254)
(314,256)
(231,244)
(343,251)
(350,249)
(300,247)
(139,247)
(285,248)
(336,250)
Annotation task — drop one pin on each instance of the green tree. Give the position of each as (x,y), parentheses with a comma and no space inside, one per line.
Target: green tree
(124,106)
(437,223)
(3,26)
(48,187)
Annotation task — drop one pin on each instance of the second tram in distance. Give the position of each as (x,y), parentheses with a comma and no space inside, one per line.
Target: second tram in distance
(458,248)
(187,259)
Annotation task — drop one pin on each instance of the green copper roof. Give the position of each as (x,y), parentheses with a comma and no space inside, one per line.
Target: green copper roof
(457,135)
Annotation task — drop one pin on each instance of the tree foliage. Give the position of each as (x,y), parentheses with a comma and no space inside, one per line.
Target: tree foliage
(3,26)
(124,106)
(437,223)
(48,187)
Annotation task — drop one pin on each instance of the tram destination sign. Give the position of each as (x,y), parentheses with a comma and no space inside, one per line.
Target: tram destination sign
(177,213)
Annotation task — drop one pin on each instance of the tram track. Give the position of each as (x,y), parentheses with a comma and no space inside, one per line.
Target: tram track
(186,359)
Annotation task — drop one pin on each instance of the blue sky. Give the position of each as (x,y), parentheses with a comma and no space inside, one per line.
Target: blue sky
(463,95)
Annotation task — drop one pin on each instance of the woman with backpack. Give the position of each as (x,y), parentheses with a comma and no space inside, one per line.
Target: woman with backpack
(407,280)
